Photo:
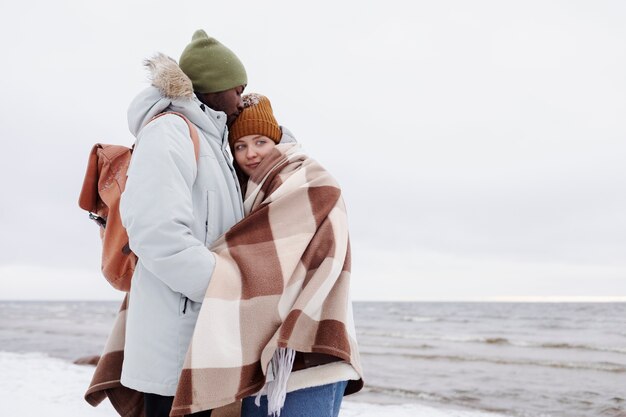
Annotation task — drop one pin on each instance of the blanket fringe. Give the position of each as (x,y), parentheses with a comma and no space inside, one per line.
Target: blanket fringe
(276,389)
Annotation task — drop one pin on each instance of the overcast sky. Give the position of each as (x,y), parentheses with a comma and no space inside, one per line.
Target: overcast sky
(480,144)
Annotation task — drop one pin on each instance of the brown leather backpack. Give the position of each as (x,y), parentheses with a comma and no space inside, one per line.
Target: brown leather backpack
(103,185)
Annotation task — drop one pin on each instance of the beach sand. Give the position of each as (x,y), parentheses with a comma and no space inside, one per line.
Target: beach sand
(33,384)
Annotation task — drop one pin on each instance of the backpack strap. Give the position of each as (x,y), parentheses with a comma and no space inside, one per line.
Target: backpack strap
(193,132)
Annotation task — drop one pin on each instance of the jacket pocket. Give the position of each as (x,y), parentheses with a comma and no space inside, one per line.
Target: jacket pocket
(182,305)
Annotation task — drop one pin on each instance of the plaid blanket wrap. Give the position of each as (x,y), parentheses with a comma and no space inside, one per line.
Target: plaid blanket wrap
(106,379)
(281,279)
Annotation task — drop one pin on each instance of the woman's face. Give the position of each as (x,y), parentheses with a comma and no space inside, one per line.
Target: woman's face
(250,151)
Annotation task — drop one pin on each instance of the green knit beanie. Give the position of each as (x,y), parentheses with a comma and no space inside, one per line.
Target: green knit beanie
(211,66)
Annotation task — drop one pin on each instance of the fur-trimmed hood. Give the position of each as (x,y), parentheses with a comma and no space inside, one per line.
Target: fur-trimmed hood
(171,90)
(166,75)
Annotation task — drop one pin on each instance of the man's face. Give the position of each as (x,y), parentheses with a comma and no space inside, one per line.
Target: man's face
(228,101)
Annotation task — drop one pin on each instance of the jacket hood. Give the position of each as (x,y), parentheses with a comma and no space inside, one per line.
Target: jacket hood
(168,78)
(170,90)
(287,136)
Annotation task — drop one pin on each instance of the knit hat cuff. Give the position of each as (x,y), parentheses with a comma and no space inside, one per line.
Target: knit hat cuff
(255,127)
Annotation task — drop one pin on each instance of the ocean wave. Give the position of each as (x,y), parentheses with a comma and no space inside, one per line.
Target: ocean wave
(612,412)
(592,366)
(404,393)
(419,319)
(496,341)
(547,345)
(463,400)
(503,341)
(582,347)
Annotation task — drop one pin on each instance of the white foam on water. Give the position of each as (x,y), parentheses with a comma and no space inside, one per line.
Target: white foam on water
(33,385)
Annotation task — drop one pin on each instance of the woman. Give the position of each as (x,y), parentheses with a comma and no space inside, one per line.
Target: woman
(276,328)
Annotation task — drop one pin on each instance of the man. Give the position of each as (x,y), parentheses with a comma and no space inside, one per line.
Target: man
(174,206)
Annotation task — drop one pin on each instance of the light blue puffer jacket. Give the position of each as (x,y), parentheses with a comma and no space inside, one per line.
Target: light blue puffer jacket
(172,208)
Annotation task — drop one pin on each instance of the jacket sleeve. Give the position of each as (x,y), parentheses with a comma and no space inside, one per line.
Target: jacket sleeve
(157,211)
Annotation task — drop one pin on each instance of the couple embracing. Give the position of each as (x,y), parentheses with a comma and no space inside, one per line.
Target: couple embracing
(241,292)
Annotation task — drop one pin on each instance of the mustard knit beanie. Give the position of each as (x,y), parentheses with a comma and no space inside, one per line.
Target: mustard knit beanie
(255,119)
(211,66)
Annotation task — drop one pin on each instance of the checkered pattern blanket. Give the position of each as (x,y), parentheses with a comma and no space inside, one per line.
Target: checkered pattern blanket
(281,280)
(106,379)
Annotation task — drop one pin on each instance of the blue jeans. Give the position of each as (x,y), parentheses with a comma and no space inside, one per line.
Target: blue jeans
(322,401)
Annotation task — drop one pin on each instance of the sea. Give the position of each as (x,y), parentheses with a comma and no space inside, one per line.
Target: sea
(435,359)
